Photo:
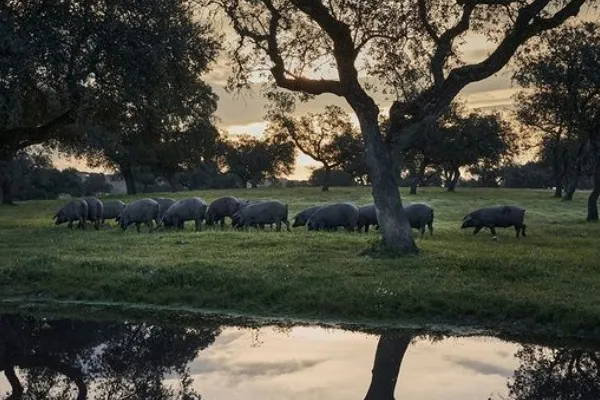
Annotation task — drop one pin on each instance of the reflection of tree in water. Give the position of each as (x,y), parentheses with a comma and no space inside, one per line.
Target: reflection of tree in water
(59,359)
(556,374)
(389,355)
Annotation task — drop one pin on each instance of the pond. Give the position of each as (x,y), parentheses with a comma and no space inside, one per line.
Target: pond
(57,358)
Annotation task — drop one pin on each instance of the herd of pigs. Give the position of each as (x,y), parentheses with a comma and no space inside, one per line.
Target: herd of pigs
(172,214)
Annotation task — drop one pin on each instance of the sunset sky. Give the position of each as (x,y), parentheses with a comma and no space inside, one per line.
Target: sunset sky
(244,113)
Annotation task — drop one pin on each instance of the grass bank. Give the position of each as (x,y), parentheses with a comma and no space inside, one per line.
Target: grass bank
(546,282)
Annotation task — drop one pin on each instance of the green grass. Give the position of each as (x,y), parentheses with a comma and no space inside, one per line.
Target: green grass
(547,282)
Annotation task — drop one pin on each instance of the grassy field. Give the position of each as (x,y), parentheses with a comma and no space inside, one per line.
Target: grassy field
(546,283)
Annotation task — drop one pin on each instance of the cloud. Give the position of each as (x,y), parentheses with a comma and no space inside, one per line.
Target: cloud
(480,367)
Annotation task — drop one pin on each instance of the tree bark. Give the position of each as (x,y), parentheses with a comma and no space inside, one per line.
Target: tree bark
(592,215)
(393,223)
(453,180)
(15,383)
(391,349)
(418,177)
(558,187)
(326,179)
(573,184)
(413,186)
(129,180)
(558,173)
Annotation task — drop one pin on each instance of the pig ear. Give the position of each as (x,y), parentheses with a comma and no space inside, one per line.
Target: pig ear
(467,218)
(55,216)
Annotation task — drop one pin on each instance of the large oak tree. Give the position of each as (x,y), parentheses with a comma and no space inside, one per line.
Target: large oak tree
(413,48)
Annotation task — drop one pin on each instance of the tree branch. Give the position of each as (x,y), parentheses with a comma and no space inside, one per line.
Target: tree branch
(526,26)
(425,21)
(16,139)
(445,42)
(438,97)
(340,33)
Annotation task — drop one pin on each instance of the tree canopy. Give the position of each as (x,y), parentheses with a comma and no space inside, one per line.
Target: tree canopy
(561,71)
(127,71)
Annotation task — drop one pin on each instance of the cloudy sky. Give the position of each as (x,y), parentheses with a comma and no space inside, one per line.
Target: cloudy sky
(244,113)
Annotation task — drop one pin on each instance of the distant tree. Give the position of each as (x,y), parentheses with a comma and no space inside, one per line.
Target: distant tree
(413,48)
(48,183)
(335,177)
(456,141)
(351,153)
(534,110)
(563,73)
(96,183)
(254,160)
(481,142)
(571,161)
(530,175)
(314,134)
(418,164)
(16,172)
(145,178)
(70,182)
(208,176)
(180,151)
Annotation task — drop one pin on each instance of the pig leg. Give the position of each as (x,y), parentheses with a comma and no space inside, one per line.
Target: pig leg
(287,224)
(430,226)
(493,230)
(518,230)
(198,224)
(477,229)
(137,226)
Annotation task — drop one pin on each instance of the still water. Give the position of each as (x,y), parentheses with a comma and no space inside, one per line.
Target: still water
(45,358)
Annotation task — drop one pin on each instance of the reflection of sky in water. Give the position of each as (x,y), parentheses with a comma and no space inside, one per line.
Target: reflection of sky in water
(312,363)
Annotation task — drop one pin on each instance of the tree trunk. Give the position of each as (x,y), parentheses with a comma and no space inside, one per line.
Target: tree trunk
(593,198)
(417,177)
(5,192)
(393,223)
(15,383)
(573,184)
(173,183)
(453,180)
(326,179)
(413,186)
(388,358)
(559,188)
(129,180)
(558,173)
